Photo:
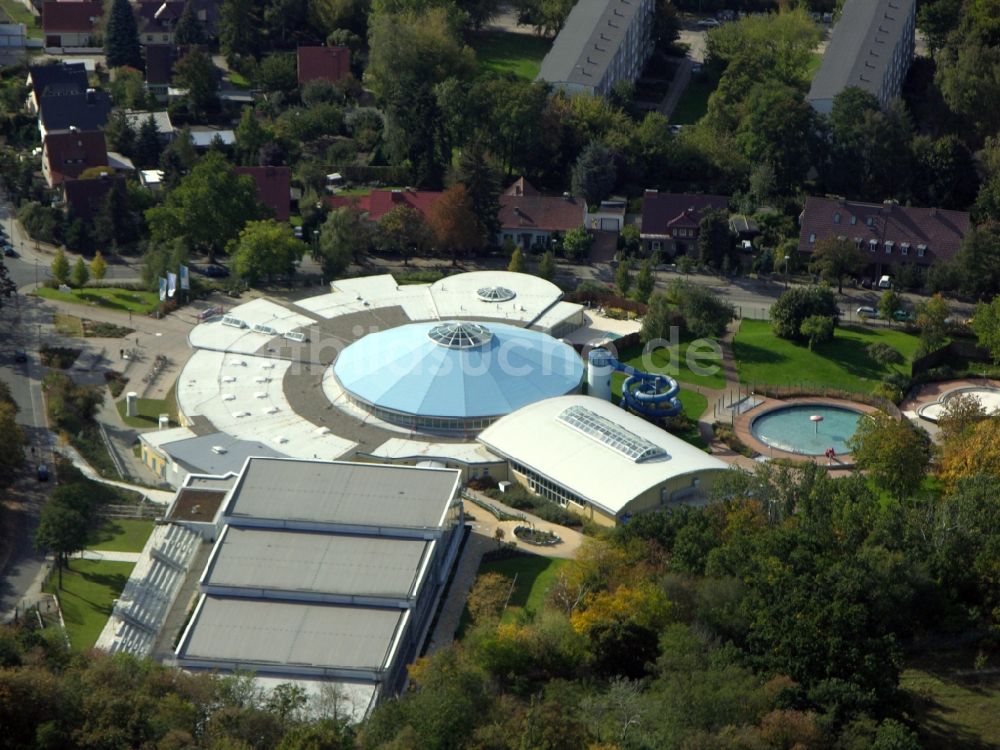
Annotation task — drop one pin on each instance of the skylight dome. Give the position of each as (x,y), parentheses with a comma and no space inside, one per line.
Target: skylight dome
(495,294)
(460,335)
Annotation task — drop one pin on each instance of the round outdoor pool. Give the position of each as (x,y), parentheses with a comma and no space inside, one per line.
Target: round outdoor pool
(792,429)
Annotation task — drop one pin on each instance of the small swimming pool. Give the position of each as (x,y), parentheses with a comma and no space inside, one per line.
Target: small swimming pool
(789,428)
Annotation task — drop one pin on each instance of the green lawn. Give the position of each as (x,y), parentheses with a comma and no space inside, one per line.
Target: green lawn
(238,80)
(813,67)
(693,103)
(110,297)
(19,14)
(89,588)
(150,410)
(953,710)
(121,535)
(504,52)
(763,358)
(660,362)
(535,575)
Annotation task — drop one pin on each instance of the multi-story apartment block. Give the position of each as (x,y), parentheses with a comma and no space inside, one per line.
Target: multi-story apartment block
(871,48)
(601,43)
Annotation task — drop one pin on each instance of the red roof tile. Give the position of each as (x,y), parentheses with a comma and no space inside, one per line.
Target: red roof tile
(541,212)
(663,211)
(381,202)
(940,232)
(69,153)
(521,186)
(70,16)
(273,188)
(327,63)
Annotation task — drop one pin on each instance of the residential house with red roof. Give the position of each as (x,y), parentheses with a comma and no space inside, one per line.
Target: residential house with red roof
(70,23)
(380,202)
(274,188)
(671,221)
(891,235)
(323,63)
(528,218)
(67,154)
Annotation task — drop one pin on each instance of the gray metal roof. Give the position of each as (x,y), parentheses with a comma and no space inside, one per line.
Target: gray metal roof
(198,457)
(337,492)
(293,561)
(255,631)
(860,47)
(587,42)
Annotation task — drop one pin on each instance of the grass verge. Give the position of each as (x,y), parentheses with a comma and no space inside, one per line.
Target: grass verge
(89,588)
(761,357)
(506,52)
(19,14)
(112,298)
(121,535)
(681,370)
(693,103)
(149,411)
(951,707)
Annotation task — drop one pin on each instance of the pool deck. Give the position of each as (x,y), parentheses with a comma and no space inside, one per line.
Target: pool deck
(741,426)
(931,393)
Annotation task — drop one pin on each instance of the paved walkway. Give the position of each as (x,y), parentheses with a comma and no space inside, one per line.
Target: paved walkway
(158,497)
(682,78)
(108,555)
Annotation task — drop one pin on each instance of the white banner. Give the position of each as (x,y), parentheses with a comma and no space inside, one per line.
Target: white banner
(171,284)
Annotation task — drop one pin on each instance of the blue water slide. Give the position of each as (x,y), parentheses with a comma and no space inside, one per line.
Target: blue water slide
(646,393)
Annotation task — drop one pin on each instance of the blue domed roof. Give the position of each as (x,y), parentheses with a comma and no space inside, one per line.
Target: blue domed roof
(457,370)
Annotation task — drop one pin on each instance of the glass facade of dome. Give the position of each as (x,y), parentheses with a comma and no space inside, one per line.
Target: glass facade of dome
(495,294)
(460,335)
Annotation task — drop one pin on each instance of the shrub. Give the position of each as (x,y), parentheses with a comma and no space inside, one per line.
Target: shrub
(116,382)
(724,433)
(889,392)
(61,357)
(883,354)
(705,314)
(818,329)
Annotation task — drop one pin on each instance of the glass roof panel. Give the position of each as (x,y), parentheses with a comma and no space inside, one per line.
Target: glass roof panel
(611,434)
(460,335)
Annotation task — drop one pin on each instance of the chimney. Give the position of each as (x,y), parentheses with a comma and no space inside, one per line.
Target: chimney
(73,128)
(567,197)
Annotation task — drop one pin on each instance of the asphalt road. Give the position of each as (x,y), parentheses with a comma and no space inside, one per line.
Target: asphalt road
(20,324)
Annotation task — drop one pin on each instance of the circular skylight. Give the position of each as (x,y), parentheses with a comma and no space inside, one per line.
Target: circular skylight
(495,294)
(460,335)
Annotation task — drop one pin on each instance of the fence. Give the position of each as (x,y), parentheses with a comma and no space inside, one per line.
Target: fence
(805,390)
(140,510)
(946,355)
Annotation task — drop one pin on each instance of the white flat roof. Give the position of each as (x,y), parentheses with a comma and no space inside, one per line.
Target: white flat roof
(243,396)
(212,334)
(535,437)
(403,448)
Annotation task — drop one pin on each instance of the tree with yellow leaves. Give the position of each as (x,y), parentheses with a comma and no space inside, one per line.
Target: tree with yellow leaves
(976,451)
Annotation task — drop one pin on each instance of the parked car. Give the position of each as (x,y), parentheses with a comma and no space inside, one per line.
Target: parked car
(9,251)
(904,316)
(214,271)
(867,312)
(43,473)
(20,355)
(708,23)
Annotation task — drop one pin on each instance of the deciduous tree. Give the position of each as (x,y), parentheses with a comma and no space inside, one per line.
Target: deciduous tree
(345,234)
(834,259)
(61,530)
(207,209)
(517,263)
(196,73)
(817,329)
(264,249)
(79,276)
(796,304)
(645,281)
(547,265)
(894,453)
(98,266)
(403,231)
(60,267)
(453,223)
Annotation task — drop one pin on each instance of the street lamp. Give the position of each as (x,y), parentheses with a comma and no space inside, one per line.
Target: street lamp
(787,258)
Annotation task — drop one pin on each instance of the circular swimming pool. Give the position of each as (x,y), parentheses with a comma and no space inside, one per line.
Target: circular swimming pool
(989,399)
(790,428)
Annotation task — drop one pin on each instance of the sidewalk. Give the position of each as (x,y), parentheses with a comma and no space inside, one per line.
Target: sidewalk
(108,555)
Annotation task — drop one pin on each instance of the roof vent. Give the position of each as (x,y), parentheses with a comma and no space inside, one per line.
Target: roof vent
(218,449)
